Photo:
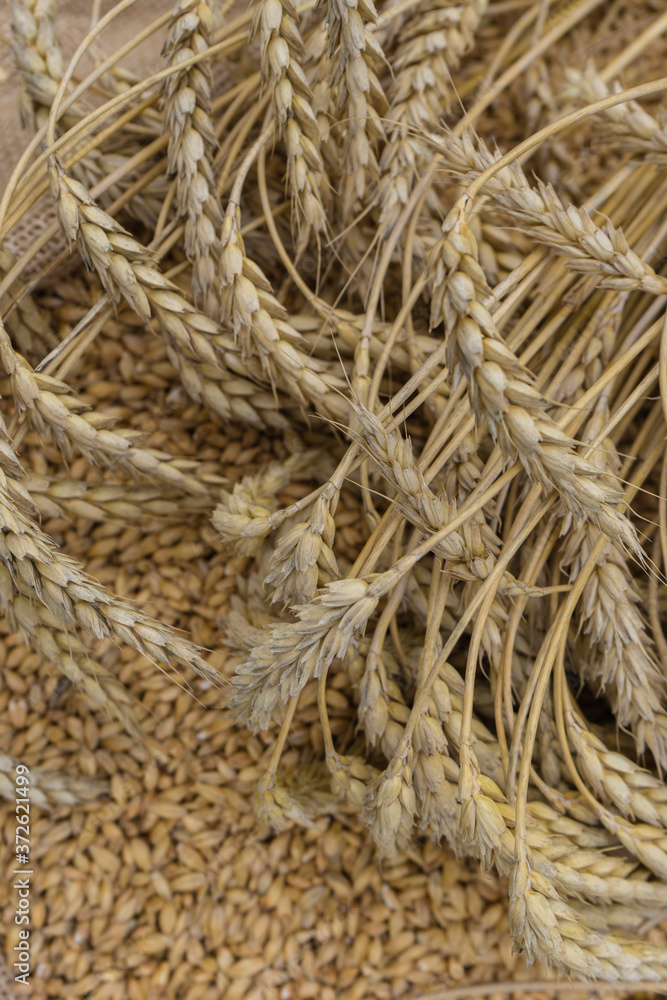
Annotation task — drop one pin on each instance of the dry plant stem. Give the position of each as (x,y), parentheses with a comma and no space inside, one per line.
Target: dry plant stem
(282,57)
(187,110)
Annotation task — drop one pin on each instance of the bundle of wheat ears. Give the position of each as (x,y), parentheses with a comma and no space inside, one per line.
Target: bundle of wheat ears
(421,247)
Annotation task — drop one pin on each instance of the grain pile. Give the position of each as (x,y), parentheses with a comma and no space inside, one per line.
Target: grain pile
(332,498)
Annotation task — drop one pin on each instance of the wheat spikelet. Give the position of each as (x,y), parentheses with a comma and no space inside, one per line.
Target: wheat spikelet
(70,499)
(54,407)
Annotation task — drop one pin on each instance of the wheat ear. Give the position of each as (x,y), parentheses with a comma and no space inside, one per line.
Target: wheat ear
(35,569)
(38,58)
(128,272)
(72,498)
(430,45)
(354,52)
(602,252)
(51,789)
(616,780)
(53,407)
(187,110)
(638,131)
(261,325)
(43,632)
(502,391)
(282,57)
